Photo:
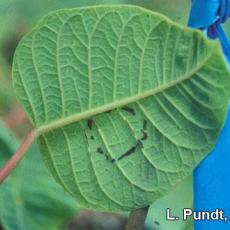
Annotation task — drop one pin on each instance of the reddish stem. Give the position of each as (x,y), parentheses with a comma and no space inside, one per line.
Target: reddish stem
(137,218)
(19,154)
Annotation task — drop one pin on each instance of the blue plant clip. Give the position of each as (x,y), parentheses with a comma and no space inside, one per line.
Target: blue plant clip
(211,177)
(208,15)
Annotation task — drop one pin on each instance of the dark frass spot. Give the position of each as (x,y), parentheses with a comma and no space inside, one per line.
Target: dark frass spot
(129,110)
(100,150)
(144,125)
(127,153)
(133,149)
(90,123)
(92,138)
(113,160)
(145,136)
(156,223)
(138,144)
(109,111)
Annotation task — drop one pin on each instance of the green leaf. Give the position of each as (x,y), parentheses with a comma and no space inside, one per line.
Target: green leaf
(30,198)
(127,102)
(179,198)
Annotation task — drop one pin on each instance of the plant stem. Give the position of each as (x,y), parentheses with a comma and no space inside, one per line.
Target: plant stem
(15,159)
(137,218)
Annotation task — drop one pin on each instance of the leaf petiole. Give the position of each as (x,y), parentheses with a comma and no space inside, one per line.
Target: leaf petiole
(137,218)
(19,154)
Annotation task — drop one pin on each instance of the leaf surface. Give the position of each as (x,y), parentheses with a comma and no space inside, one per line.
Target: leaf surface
(179,198)
(30,198)
(127,102)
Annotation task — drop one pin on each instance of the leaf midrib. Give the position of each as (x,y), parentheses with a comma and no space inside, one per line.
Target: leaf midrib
(116,104)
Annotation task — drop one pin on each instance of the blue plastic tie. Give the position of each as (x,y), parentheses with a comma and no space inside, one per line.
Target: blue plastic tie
(211,177)
(208,15)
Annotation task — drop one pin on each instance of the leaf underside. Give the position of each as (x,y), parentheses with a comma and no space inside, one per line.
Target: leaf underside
(126,101)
